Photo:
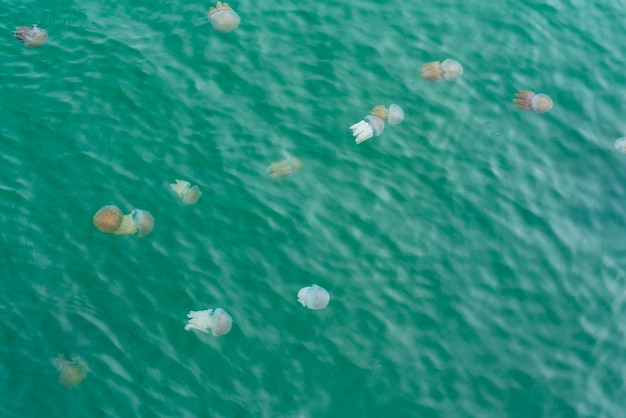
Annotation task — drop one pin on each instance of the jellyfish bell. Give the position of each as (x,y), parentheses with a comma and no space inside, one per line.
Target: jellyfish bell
(620,144)
(144,222)
(394,114)
(32,36)
(284,167)
(448,70)
(72,371)
(223,18)
(108,218)
(313,297)
(189,194)
(370,126)
(218,321)
(528,100)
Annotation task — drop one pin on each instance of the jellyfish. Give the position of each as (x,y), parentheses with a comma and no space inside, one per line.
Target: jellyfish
(449,70)
(33,37)
(143,220)
(620,145)
(186,192)
(71,372)
(528,100)
(223,18)
(218,321)
(394,114)
(284,167)
(313,297)
(370,126)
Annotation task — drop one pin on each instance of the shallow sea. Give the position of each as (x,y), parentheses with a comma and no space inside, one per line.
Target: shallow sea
(474,253)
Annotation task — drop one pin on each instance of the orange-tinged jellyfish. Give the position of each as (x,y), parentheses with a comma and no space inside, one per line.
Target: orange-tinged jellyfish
(394,114)
(284,167)
(528,100)
(189,194)
(448,70)
(110,219)
(72,371)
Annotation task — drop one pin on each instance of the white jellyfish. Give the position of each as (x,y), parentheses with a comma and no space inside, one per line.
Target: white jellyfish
(284,167)
(223,18)
(313,297)
(218,321)
(394,114)
(370,126)
(620,144)
(189,194)
(33,37)
(528,100)
(449,70)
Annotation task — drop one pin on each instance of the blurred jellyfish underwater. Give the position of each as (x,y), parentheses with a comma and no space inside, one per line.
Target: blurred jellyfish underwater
(284,167)
(110,219)
(223,17)
(33,37)
(313,297)
(370,126)
(188,194)
(218,321)
(528,100)
(620,144)
(394,114)
(72,371)
(448,70)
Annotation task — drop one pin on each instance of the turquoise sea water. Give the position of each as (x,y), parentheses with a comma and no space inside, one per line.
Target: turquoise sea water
(473,253)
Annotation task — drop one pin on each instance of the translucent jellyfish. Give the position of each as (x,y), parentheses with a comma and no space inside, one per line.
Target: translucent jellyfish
(284,167)
(394,114)
(33,37)
(370,126)
(528,100)
(71,372)
(620,145)
(314,297)
(186,192)
(144,222)
(218,321)
(223,18)
(449,70)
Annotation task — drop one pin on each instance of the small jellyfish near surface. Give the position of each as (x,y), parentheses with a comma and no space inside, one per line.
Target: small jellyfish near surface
(448,70)
(218,321)
(370,126)
(189,194)
(32,36)
(110,219)
(223,18)
(314,297)
(528,100)
(72,371)
(394,114)
(284,167)
(620,144)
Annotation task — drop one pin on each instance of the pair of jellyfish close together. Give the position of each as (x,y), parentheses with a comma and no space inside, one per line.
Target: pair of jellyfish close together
(110,219)
(72,371)
(374,123)
(223,17)
(186,192)
(32,36)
